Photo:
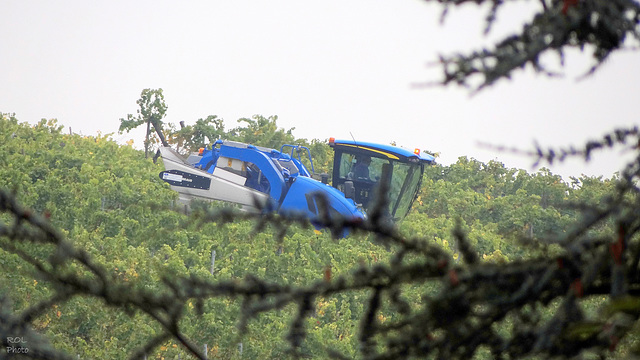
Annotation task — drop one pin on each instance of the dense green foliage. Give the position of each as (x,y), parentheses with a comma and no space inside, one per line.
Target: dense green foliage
(108,200)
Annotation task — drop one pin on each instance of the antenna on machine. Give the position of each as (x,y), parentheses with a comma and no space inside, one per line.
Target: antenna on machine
(354,139)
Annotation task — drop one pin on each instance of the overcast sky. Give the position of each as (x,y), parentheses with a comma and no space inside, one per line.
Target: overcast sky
(331,68)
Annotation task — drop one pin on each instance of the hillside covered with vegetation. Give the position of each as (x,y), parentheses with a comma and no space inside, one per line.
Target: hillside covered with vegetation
(109,201)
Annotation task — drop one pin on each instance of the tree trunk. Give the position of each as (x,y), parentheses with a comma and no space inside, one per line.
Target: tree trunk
(146,140)
(158,128)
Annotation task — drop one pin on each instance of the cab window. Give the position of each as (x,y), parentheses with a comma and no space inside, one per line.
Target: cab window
(361,167)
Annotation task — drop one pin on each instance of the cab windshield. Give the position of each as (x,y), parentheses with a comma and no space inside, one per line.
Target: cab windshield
(365,172)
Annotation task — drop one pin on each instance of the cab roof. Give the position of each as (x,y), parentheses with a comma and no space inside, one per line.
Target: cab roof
(380,150)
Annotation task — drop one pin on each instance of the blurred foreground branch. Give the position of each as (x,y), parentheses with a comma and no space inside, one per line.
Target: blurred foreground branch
(601,26)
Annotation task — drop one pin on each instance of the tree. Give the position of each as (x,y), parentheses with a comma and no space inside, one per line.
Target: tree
(151,112)
(192,137)
(262,131)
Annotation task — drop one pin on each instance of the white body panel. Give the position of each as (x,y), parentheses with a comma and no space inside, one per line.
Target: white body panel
(228,175)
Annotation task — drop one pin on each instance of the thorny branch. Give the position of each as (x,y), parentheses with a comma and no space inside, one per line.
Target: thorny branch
(604,25)
(629,137)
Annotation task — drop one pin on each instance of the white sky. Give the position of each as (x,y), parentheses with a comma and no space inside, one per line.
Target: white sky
(327,68)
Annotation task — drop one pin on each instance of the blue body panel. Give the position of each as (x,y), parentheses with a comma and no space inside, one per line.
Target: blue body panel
(208,161)
(388,150)
(302,198)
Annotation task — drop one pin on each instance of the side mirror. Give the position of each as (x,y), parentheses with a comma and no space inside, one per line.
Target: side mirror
(349,190)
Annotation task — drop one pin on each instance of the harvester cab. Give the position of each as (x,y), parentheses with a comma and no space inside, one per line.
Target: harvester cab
(359,168)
